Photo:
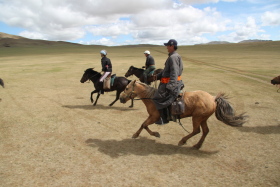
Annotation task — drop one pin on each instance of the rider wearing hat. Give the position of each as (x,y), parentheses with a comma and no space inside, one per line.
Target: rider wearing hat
(106,66)
(149,66)
(170,81)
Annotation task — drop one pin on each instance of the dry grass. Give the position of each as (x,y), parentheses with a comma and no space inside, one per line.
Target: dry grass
(51,135)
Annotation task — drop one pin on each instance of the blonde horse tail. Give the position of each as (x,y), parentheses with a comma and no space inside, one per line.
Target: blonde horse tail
(225,113)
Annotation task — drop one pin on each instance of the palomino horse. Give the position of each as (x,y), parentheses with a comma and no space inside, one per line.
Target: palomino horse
(198,104)
(138,72)
(119,85)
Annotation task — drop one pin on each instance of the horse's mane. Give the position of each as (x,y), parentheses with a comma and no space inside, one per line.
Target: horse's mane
(92,69)
(149,91)
(137,68)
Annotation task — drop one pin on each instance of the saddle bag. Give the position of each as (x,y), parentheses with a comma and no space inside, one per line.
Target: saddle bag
(107,83)
(178,106)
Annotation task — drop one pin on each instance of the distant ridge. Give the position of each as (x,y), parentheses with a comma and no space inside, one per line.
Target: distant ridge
(218,42)
(4,35)
(225,42)
(255,40)
(8,40)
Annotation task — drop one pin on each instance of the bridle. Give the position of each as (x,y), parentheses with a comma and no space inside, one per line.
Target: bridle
(130,72)
(130,94)
(89,77)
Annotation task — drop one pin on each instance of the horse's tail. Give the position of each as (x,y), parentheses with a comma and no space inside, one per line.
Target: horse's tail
(225,113)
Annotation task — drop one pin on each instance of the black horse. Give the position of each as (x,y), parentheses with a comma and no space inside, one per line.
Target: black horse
(138,72)
(119,85)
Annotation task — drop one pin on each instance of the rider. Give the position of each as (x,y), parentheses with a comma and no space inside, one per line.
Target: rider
(150,65)
(170,81)
(106,67)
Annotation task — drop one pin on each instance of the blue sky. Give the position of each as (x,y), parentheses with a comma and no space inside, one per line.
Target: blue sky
(124,22)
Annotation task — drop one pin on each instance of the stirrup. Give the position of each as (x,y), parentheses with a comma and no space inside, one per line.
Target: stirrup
(161,122)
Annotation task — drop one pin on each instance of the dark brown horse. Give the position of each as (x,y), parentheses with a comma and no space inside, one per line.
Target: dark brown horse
(198,104)
(276,81)
(2,82)
(119,85)
(138,72)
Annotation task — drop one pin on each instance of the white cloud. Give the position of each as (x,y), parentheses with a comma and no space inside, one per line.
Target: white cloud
(146,21)
(205,1)
(271,19)
(244,31)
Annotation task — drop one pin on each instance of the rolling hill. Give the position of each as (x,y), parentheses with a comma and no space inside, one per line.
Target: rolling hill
(8,40)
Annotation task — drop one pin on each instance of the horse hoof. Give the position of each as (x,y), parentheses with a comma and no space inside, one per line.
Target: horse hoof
(196,146)
(134,136)
(130,106)
(156,134)
(181,143)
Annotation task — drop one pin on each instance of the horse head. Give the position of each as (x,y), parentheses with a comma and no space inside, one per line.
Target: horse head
(129,72)
(275,80)
(128,93)
(88,74)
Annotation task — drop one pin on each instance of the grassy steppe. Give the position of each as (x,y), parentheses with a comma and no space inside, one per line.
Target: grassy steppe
(51,135)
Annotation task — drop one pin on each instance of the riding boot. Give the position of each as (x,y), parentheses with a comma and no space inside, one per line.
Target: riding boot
(163,117)
(101,91)
(145,79)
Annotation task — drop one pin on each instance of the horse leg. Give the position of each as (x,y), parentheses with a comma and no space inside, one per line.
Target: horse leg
(145,125)
(131,103)
(196,130)
(205,131)
(91,99)
(117,97)
(96,99)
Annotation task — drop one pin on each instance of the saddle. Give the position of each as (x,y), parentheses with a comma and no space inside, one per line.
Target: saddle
(151,73)
(109,81)
(176,108)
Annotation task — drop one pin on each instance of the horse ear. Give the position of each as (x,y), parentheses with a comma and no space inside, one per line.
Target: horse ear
(134,81)
(92,68)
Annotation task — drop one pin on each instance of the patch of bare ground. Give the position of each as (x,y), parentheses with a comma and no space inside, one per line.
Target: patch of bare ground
(51,135)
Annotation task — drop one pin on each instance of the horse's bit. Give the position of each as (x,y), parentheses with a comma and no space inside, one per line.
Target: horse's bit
(130,93)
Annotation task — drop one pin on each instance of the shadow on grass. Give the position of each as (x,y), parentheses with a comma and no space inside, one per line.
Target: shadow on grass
(98,107)
(261,129)
(143,147)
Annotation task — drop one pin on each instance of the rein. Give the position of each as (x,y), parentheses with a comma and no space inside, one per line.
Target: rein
(91,77)
(133,92)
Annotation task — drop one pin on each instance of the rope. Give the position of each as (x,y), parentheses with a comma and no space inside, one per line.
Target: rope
(182,126)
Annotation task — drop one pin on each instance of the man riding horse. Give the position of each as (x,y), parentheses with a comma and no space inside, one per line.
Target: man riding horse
(170,81)
(149,65)
(106,67)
